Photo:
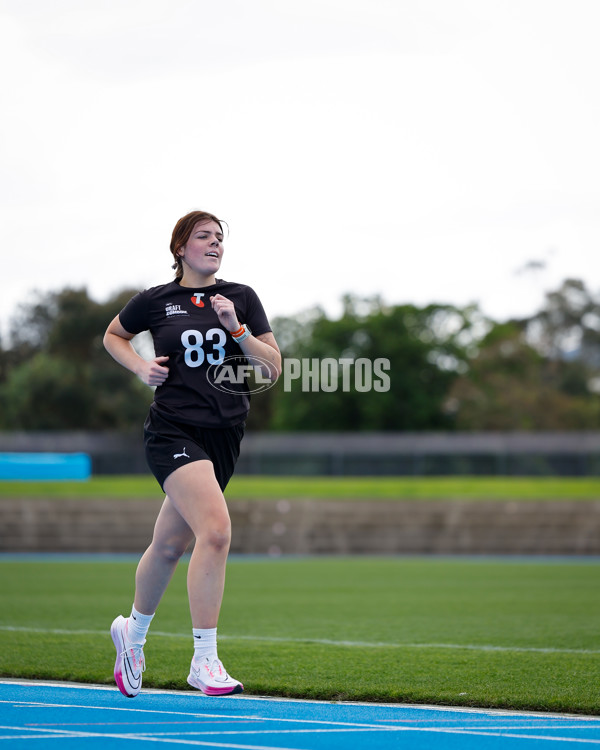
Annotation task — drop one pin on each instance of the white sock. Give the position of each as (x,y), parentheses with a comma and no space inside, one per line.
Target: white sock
(205,643)
(137,626)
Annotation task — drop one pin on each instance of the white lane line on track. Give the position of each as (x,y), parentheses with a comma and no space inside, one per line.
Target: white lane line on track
(324,641)
(504,731)
(251,717)
(556,721)
(197,696)
(65,734)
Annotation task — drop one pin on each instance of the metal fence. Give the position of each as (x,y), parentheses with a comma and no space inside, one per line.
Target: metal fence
(352,454)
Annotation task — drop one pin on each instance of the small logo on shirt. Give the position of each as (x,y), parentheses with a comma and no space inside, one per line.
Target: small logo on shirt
(171,309)
(180,455)
(197,299)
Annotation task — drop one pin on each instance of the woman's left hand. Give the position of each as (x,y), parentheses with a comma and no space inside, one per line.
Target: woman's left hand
(225,311)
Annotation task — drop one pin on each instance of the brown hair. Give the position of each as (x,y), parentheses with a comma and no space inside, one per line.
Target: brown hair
(181,234)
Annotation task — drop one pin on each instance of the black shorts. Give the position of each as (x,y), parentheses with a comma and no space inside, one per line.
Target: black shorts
(170,445)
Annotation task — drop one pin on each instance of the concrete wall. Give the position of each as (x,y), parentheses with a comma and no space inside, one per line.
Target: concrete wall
(316,527)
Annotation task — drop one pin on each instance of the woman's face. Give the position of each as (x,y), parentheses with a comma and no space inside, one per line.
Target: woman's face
(204,249)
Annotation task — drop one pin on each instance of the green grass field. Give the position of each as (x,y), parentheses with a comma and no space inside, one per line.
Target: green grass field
(343,488)
(481,632)
(473,632)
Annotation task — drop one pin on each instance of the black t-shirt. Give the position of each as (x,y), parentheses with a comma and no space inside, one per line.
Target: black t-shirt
(186,329)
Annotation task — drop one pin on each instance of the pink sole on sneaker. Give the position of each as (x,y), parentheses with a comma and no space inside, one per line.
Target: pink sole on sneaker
(215,691)
(118,671)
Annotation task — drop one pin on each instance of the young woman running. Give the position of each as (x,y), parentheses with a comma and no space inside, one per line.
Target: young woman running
(192,436)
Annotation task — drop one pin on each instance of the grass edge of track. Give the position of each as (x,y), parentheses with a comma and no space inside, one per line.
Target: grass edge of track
(385,488)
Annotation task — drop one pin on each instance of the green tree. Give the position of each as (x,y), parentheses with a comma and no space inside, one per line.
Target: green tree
(425,347)
(539,373)
(449,368)
(60,376)
(567,328)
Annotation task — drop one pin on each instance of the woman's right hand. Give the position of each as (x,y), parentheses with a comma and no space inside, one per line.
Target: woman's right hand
(152,372)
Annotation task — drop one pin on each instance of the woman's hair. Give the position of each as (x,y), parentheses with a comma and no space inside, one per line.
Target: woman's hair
(181,234)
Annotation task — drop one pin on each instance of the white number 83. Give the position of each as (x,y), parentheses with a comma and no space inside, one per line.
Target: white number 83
(193,342)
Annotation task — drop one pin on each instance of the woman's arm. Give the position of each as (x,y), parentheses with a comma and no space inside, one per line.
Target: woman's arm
(265,347)
(117,342)
(256,349)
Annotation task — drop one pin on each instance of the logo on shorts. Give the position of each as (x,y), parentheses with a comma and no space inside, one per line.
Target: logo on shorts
(180,455)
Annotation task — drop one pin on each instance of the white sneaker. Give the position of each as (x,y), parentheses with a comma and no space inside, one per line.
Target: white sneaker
(210,676)
(130,659)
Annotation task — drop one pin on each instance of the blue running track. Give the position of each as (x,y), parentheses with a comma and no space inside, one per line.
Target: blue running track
(34,715)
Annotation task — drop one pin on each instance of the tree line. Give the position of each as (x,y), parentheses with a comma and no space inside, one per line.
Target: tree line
(447,368)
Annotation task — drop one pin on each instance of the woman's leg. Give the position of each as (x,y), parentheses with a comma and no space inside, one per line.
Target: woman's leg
(196,496)
(171,538)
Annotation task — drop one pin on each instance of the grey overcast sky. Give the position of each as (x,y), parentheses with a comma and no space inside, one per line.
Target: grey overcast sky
(422,150)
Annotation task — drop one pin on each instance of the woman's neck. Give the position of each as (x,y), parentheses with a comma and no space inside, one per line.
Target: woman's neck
(197,280)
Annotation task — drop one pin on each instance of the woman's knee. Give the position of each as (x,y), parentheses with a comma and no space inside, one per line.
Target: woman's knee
(216,534)
(170,549)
